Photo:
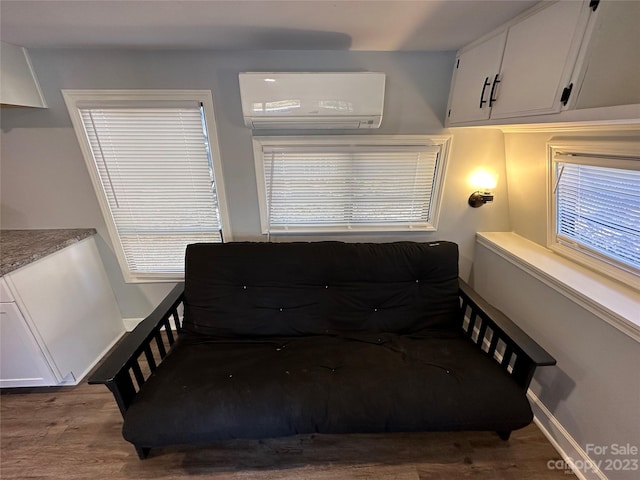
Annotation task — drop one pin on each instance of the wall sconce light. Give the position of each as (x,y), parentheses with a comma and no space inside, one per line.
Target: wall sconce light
(478,198)
(484,182)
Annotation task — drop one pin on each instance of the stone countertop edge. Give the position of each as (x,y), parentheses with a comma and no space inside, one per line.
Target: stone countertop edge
(22,247)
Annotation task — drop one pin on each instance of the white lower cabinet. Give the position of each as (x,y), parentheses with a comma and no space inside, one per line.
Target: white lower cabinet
(22,362)
(62,321)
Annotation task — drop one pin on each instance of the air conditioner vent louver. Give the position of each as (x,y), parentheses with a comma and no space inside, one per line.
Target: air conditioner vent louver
(338,101)
(312,124)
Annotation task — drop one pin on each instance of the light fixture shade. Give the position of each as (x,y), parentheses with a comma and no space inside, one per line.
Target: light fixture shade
(483,180)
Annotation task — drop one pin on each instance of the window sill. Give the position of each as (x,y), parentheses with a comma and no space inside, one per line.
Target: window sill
(611,301)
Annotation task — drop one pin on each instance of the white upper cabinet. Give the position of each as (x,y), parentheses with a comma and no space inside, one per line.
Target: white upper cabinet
(475,74)
(20,86)
(539,57)
(609,63)
(521,69)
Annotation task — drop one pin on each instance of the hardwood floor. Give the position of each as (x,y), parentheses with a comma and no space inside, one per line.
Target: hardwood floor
(74,433)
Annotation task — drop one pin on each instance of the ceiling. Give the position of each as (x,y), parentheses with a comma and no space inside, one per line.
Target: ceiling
(375,25)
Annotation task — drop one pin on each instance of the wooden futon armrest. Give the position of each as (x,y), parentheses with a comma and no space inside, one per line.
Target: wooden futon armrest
(146,339)
(500,338)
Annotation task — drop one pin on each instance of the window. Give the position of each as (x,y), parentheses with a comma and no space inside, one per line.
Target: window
(595,207)
(349,184)
(153,159)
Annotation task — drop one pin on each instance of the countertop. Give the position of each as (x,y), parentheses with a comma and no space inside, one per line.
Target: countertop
(22,247)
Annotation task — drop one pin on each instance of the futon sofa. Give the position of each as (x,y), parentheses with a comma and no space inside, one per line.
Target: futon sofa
(282,339)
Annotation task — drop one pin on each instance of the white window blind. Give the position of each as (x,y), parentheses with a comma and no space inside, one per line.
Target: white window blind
(155,169)
(597,207)
(324,188)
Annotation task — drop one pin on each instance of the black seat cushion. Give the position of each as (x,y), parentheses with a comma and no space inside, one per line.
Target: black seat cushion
(214,389)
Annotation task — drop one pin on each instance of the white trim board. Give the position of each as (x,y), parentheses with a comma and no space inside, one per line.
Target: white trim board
(570,451)
(608,300)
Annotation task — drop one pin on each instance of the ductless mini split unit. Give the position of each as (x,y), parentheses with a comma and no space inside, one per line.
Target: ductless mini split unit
(312,100)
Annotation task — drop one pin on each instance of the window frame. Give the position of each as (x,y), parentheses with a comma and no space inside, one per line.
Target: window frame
(77,99)
(608,153)
(441,141)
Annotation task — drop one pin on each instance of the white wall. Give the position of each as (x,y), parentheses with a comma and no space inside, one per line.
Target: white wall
(594,391)
(526,163)
(45,183)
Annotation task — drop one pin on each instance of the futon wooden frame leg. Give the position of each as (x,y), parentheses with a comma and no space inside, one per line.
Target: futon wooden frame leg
(143,452)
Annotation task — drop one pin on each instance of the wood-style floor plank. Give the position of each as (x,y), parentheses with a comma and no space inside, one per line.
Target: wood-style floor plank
(75,433)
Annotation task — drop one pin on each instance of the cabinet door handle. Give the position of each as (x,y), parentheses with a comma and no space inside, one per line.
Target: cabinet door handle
(493,89)
(484,87)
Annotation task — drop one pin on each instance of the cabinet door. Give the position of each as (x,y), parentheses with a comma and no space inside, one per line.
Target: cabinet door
(68,302)
(539,57)
(19,83)
(22,363)
(611,67)
(475,71)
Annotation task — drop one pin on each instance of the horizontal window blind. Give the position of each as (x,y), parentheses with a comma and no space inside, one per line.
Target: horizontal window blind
(155,169)
(598,209)
(342,188)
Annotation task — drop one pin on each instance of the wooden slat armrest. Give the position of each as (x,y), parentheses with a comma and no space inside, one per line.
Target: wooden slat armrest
(500,338)
(524,342)
(134,343)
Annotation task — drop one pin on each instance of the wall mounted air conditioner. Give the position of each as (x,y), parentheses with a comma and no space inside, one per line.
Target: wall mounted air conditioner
(312,100)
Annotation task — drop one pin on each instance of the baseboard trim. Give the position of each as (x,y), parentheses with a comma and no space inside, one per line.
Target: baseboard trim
(131,323)
(573,455)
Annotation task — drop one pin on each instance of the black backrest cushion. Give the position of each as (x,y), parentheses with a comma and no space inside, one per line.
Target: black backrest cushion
(288,289)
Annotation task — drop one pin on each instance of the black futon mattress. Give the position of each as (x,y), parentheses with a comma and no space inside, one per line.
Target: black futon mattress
(327,337)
